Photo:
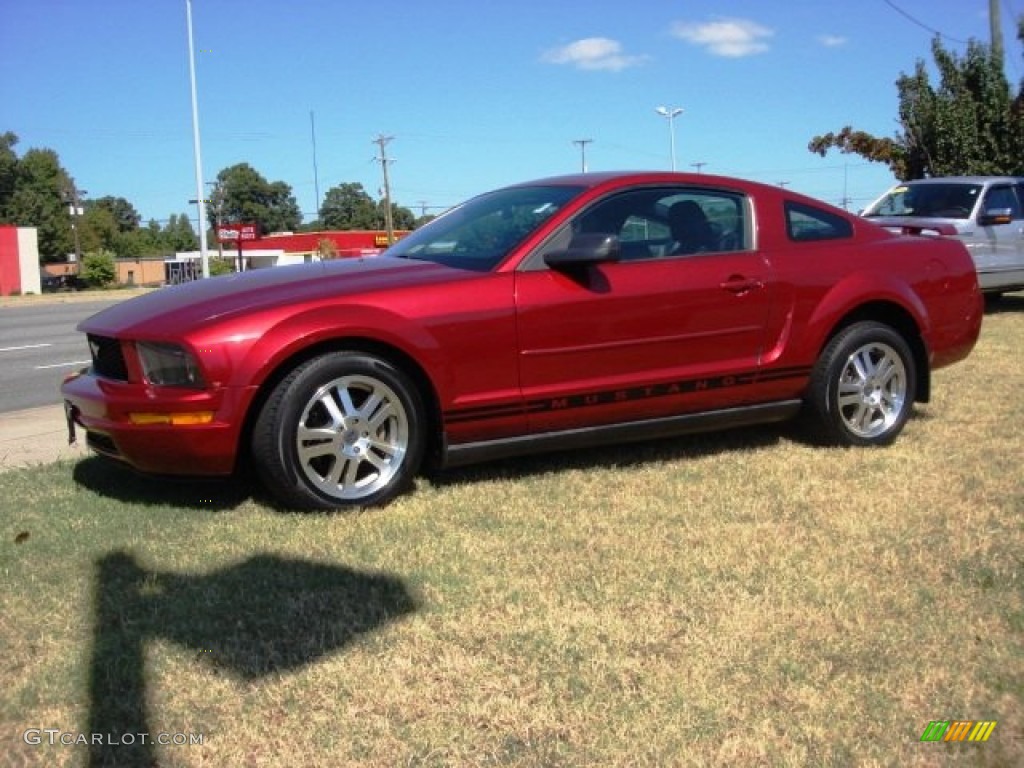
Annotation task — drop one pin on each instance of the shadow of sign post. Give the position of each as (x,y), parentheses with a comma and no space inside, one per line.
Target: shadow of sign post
(268,614)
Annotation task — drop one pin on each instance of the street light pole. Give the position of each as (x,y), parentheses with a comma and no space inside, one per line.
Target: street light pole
(203,255)
(671,114)
(582,143)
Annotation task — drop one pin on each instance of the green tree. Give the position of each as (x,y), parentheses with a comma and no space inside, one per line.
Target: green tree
(97,229)
(348,206)
(148,241)
(401,218)
(245,196)
(971,123)
(98,268)
(41,187)
(179,235)
(8,171)
(1017,110)
(131,245)
(125,216)
(219,266)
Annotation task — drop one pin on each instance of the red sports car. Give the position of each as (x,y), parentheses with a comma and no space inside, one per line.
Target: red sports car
(546,315)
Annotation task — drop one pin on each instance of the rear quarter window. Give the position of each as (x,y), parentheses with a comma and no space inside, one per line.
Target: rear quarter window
(805,223)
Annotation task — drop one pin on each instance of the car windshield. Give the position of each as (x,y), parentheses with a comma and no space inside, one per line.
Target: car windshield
(480,233)
(953,200)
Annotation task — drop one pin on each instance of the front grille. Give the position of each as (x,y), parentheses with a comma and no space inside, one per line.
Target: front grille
(107,358)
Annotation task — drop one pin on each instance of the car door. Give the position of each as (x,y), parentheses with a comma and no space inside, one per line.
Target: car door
(654,334)
(997,246)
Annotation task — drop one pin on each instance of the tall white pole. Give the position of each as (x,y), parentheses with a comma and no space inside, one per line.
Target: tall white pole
(200,188)
(671,114)
(672,138)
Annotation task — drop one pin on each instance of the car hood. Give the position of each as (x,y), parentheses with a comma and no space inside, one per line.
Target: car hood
(175,309)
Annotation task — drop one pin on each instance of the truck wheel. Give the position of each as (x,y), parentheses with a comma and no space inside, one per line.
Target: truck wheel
(863,386)
(341,430)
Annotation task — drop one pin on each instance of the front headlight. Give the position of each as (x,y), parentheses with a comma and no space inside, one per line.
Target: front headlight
(168,365)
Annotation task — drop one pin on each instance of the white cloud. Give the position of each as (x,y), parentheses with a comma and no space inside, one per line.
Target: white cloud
(725,37)
(593,53)
(831,41)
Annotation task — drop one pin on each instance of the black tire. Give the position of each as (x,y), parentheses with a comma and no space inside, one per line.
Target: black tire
(862,387)
(342,430)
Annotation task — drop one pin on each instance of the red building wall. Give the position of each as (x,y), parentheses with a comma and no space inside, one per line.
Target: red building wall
(10,265)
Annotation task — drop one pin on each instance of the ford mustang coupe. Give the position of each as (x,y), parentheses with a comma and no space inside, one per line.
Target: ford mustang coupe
(546,315)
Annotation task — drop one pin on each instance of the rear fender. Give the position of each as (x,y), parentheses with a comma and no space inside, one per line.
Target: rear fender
(855,296)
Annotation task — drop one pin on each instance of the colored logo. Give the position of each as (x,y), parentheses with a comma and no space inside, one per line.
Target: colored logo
(958,730)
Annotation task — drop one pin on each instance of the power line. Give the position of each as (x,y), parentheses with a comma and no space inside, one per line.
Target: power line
(920,23)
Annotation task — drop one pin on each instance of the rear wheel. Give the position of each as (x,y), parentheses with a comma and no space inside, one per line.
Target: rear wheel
(863,386)
(341,430)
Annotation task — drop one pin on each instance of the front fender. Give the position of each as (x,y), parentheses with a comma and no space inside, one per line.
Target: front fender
(311,327)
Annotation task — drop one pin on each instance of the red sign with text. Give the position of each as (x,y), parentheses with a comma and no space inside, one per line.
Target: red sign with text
(235,232)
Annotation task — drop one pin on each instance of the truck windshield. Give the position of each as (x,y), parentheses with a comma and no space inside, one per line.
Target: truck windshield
(954,200)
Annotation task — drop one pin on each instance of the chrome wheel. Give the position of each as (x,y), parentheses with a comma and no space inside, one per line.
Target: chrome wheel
(352,437)
(872,391)
(862,387)
(342,430)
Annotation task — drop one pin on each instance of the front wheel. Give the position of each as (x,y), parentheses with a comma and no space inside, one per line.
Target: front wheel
(341,430)
(863,386)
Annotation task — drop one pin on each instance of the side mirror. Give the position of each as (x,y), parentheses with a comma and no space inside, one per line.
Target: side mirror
(585,249)
(995,216)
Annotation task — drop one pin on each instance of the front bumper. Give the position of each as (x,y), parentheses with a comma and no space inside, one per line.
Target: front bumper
(104,408)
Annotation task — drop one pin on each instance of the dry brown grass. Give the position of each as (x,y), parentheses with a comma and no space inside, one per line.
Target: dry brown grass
(739,599)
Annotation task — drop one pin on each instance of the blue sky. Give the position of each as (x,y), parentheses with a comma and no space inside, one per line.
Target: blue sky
(475,94)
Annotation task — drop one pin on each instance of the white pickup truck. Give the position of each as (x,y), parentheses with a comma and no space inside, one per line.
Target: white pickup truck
(986,212)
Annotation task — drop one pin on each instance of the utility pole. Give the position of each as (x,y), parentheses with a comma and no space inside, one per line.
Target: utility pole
(217,201)
(75,209)
(996,31)
(382,141)
(698,166)
(582,143)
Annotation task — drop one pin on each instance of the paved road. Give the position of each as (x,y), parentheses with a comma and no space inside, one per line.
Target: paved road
(38,347)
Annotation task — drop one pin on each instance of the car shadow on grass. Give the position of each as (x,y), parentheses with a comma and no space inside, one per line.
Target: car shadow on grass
(1005,304)
(263,616)
(112,480)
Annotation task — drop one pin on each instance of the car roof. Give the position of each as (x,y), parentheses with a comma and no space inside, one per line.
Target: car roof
(599,178)
(962,180)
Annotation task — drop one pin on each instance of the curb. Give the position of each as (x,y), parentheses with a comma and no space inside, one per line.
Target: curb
(36,436)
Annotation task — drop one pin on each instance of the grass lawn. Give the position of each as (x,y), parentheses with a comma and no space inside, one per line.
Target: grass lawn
(735,599)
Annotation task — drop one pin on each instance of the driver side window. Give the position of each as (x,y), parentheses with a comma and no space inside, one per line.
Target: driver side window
(669,222)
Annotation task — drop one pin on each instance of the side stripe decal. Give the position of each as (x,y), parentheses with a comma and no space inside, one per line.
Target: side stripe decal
(606,397)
